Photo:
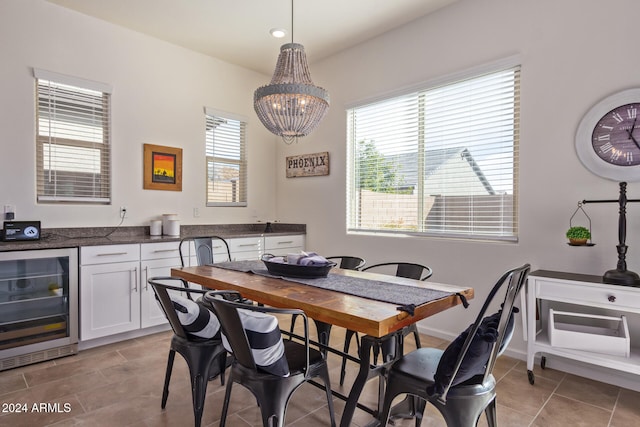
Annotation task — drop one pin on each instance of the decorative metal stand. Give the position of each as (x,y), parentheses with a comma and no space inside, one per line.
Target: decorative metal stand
(581,209)
(620,276)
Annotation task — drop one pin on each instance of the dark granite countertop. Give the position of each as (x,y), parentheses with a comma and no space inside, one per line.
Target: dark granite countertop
(54,238)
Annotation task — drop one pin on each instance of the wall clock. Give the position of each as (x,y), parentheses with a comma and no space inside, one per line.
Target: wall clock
(608,137)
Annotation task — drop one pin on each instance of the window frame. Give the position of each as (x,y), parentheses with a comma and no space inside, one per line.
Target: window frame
(353,213)
(241,161)
(103,193)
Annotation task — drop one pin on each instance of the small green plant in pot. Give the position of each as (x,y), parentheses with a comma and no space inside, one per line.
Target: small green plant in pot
(578,235)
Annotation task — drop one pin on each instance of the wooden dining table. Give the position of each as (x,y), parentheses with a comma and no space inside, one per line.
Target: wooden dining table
(381,323)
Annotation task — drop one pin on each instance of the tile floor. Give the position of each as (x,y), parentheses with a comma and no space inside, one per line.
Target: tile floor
(121,385)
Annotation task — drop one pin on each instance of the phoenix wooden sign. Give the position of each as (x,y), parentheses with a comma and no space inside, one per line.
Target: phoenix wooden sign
(315,164)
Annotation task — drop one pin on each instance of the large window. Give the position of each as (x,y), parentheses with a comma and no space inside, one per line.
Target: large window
(439,161)
(72,139)
(226,160)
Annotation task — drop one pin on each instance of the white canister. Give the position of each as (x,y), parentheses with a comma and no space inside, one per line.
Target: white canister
(165,222)
(173,229)
(155,227)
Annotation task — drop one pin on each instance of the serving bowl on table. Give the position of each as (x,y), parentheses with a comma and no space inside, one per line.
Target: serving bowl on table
(296,270)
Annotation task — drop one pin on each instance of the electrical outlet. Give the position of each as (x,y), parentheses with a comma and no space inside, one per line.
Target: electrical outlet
(123,212)
(9,212)
(196,212)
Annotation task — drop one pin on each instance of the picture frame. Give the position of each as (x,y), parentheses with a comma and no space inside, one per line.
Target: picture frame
(162,168)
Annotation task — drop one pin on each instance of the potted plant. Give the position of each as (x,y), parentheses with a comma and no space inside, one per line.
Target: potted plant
(578,235)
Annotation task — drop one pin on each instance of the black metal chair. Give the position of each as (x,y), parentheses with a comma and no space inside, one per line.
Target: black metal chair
(206,357)
(271,391)
(205,249)
(402,269)
(348,262)
(409,270)
(459,381)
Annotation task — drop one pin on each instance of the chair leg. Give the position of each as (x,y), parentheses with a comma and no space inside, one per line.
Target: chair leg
(227,398)
(324,375)
(419,406)
(223,367)
(293,325)
(416,335)
(167,378)
(201,364)
(198,391)
(490,412)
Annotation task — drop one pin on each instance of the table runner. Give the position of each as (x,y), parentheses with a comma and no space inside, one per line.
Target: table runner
(393,293)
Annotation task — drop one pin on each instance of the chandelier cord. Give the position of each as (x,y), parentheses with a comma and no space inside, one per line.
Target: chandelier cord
(291,21)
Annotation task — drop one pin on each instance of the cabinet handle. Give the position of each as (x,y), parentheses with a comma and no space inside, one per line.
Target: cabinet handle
(248,244)
(146,278)
(611,298)
(135,279)
(112,254)
(285,243)
(164,250)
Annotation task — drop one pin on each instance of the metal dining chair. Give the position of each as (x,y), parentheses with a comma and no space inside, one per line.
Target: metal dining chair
(205,249)
(402,269)
(458,381)
(270,383)
(205,357)
(348,262)
(345,262)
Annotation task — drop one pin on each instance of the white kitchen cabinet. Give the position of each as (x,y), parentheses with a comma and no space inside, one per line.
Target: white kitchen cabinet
(250,248)
(156,259)
(283,245)
(109,290)
(246,248)
(578,293)
(114,294)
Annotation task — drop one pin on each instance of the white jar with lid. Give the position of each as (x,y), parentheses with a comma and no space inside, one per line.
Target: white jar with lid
(173,228)
(155,227)
(165,222)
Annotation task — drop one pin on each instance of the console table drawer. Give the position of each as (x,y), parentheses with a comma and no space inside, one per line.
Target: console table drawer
(614,297)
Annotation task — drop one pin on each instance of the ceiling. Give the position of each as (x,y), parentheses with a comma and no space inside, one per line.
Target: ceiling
(237,31)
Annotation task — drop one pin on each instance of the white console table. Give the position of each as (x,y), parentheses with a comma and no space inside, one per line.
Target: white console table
(586,293)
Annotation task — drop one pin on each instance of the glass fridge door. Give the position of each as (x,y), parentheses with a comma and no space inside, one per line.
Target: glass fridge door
(35,298)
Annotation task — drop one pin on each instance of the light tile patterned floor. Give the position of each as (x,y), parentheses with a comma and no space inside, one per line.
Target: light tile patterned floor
(121,385)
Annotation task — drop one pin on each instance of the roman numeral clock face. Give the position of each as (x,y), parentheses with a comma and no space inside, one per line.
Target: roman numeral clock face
(616,136)
(608,137)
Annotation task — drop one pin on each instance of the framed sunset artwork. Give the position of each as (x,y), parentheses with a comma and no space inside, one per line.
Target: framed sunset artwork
(162,168)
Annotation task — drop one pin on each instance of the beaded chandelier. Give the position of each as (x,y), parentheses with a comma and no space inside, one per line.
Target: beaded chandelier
(291,106)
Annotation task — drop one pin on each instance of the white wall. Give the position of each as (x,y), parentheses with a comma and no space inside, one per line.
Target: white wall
(571,58)
(573,53)
(159,91)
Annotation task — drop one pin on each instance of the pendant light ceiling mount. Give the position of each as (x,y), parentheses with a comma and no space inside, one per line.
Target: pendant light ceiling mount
(291,106)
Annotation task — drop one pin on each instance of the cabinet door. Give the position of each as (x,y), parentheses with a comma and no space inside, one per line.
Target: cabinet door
(160,250)
(283,245)
(150,312)
(109,299)
(246,248)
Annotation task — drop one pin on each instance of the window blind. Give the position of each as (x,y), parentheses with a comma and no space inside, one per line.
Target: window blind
(226,160)
(72,140)
(439,161)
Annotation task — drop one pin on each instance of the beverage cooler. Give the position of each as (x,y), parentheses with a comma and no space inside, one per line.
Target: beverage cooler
(38,306)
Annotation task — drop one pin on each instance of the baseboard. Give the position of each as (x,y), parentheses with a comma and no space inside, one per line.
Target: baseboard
(97,342)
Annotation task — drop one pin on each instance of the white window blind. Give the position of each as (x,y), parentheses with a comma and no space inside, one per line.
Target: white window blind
(226,160)
(72,140)
(440,161)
